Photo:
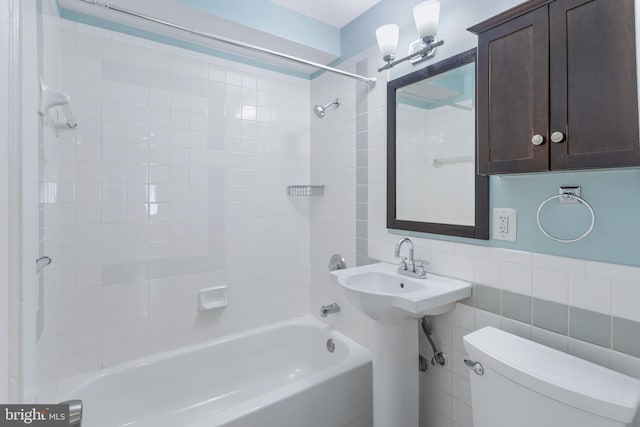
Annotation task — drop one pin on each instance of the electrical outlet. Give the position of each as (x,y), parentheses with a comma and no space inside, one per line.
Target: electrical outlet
(504,224)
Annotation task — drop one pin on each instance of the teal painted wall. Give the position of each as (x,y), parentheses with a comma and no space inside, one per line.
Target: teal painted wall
(262,15)
(274,19)
(455,17)
(614,194)
(114,26)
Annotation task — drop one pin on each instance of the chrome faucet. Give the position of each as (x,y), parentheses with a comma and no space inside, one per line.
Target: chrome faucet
(404,261)
(410,267)
(326,310)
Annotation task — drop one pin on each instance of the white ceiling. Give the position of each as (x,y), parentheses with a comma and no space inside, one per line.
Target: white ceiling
(336,13)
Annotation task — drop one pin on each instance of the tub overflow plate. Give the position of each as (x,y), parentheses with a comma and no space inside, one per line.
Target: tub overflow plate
(331,345)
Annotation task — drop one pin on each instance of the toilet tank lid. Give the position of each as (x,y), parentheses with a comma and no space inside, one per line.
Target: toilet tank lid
(555,374)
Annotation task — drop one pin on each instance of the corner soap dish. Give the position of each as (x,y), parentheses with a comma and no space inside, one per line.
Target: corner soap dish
(305,190)
(212,298)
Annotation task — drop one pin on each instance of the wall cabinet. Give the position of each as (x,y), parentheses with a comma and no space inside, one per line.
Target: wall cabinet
(557,87)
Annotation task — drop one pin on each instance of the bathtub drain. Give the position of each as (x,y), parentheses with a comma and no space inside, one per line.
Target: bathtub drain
(331,346)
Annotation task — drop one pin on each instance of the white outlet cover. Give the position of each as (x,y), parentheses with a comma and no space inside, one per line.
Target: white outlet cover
(496,232)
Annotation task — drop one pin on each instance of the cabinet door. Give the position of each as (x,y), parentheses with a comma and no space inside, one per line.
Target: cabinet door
(594,99)
(513,95)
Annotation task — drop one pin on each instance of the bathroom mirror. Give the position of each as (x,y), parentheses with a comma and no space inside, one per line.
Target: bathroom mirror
(432,184)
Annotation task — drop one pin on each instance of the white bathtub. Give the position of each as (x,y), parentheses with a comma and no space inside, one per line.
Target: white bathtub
(276,376)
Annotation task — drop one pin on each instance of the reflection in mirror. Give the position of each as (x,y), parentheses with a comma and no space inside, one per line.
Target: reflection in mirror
(433,186)
(435,144)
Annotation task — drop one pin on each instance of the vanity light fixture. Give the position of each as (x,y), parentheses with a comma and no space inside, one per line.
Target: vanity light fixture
(426,16)
(387,36)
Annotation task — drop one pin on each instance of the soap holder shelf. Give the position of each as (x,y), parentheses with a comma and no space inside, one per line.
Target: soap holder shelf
(305,190)
(212,298)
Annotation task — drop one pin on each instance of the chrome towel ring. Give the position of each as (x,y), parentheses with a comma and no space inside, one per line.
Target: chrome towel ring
(566,196)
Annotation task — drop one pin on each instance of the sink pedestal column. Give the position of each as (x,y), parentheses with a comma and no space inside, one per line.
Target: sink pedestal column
(395,373)
(395,302)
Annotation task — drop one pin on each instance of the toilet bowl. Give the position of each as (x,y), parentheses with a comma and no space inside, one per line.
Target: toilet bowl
(516,382)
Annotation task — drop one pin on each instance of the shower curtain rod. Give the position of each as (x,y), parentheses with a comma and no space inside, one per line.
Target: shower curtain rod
(371,81)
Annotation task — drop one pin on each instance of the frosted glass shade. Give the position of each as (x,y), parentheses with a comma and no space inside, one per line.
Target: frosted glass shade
(387,36)
(427,15)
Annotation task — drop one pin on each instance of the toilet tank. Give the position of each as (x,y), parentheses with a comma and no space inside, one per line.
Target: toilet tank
(526,384)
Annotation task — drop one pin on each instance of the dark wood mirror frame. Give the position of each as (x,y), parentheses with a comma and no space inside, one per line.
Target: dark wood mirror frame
(481,228)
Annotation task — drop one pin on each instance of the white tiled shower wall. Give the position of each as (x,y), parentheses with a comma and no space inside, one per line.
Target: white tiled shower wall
(175,180)
(445,394)
(333,163)
(50,68)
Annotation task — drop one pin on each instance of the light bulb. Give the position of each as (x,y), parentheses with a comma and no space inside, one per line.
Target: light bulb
(427,15)
(387,36)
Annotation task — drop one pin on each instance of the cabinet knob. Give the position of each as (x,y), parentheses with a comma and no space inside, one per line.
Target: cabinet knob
(537,139)
(557,137)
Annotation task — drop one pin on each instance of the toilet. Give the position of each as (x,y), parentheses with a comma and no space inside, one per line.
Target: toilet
(516,382)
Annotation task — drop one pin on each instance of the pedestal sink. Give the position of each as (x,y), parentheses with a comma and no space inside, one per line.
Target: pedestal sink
(395,302)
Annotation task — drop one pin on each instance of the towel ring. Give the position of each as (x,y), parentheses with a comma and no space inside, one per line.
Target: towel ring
(573,196)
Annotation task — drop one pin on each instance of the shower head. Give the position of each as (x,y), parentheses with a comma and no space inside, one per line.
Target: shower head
(319,110)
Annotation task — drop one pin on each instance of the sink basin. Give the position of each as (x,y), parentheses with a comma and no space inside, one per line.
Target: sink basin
(378,291)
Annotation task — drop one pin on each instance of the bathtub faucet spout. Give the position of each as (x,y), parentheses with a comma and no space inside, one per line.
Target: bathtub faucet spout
(326,310)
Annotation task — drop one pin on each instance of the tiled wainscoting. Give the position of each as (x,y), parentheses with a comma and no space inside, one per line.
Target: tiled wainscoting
(581,307)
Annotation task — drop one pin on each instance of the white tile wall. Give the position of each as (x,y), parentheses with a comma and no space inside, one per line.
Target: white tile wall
(624,299)
(516,278)
(175,180)
(415,162)
(590,293)
(52,238)
(551,285)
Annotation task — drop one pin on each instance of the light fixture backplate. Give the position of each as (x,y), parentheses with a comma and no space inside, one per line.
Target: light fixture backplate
(418,45)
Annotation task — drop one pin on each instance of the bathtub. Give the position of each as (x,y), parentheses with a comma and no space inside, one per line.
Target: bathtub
(276,376)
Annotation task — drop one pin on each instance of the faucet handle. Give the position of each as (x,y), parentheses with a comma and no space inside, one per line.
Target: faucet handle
(403,263)
(419,267)
(411,265)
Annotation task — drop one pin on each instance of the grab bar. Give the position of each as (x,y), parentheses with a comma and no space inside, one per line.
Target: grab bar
(439,161)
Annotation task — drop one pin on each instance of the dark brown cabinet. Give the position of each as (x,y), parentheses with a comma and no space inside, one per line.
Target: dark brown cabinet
(557,87)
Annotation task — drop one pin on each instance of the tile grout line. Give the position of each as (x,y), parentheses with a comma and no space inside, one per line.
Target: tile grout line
(568,335)
(362,170)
